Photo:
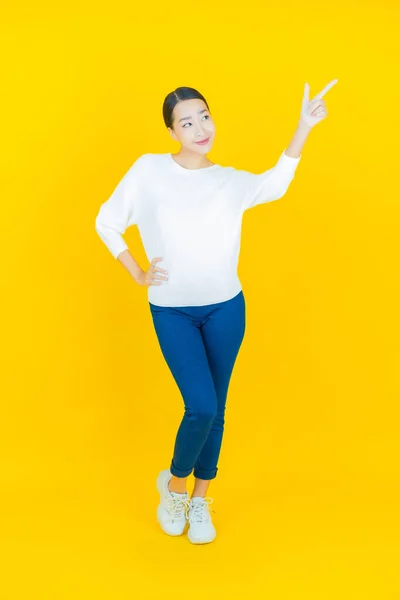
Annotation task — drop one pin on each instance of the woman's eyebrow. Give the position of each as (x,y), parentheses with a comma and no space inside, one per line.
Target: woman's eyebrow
(187,118)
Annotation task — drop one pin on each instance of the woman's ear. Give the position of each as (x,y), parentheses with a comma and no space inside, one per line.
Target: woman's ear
(173,134)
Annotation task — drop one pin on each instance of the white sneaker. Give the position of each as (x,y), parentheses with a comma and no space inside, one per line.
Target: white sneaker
(171,512)
(201,529)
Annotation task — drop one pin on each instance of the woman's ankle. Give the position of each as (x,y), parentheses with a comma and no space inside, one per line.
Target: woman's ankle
(177,485)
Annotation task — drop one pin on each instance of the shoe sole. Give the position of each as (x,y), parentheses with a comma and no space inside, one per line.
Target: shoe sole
(202,542)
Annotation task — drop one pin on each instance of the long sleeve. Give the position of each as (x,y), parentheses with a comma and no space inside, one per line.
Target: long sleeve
(120,210)
(269,185)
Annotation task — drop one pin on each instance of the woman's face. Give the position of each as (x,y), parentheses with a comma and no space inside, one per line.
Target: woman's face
(192,123)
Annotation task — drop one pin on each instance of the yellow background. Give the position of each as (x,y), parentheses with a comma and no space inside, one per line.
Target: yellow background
(307,495)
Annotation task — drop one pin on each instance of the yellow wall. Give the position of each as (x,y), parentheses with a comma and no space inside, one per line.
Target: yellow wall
(307,495)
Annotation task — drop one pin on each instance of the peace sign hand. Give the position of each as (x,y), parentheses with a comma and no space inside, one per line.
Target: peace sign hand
(314,111)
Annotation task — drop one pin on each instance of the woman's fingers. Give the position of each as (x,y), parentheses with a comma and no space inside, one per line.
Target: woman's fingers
(154,278)
(157,268)
(325,89)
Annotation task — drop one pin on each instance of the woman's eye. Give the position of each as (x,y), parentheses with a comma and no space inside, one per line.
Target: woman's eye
(204,116)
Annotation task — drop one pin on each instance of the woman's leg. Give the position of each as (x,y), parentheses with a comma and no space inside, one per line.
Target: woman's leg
(182,346)
(177,484)
(223,333)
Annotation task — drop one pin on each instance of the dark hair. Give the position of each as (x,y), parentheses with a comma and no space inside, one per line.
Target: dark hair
(181,93)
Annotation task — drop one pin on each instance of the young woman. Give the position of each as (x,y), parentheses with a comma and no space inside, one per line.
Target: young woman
(189,213)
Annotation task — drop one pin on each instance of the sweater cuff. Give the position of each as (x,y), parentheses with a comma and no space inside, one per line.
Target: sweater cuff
(289,159)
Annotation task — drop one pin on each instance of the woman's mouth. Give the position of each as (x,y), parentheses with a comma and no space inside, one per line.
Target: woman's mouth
(203,142)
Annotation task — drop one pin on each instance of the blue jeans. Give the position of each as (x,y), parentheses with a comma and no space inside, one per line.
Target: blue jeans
(200,345)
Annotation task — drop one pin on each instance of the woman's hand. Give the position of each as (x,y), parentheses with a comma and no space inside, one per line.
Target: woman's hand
(314,111)
(149,277)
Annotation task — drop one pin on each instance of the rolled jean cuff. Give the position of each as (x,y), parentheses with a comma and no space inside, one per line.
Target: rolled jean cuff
(205,473)
(179,472)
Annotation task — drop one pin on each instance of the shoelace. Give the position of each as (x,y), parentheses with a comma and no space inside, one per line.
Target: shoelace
(198,510)
(177,507)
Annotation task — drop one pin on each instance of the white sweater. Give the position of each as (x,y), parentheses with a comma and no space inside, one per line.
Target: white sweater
(192,218)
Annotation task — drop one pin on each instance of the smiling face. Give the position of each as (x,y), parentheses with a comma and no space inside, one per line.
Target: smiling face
(192,124)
